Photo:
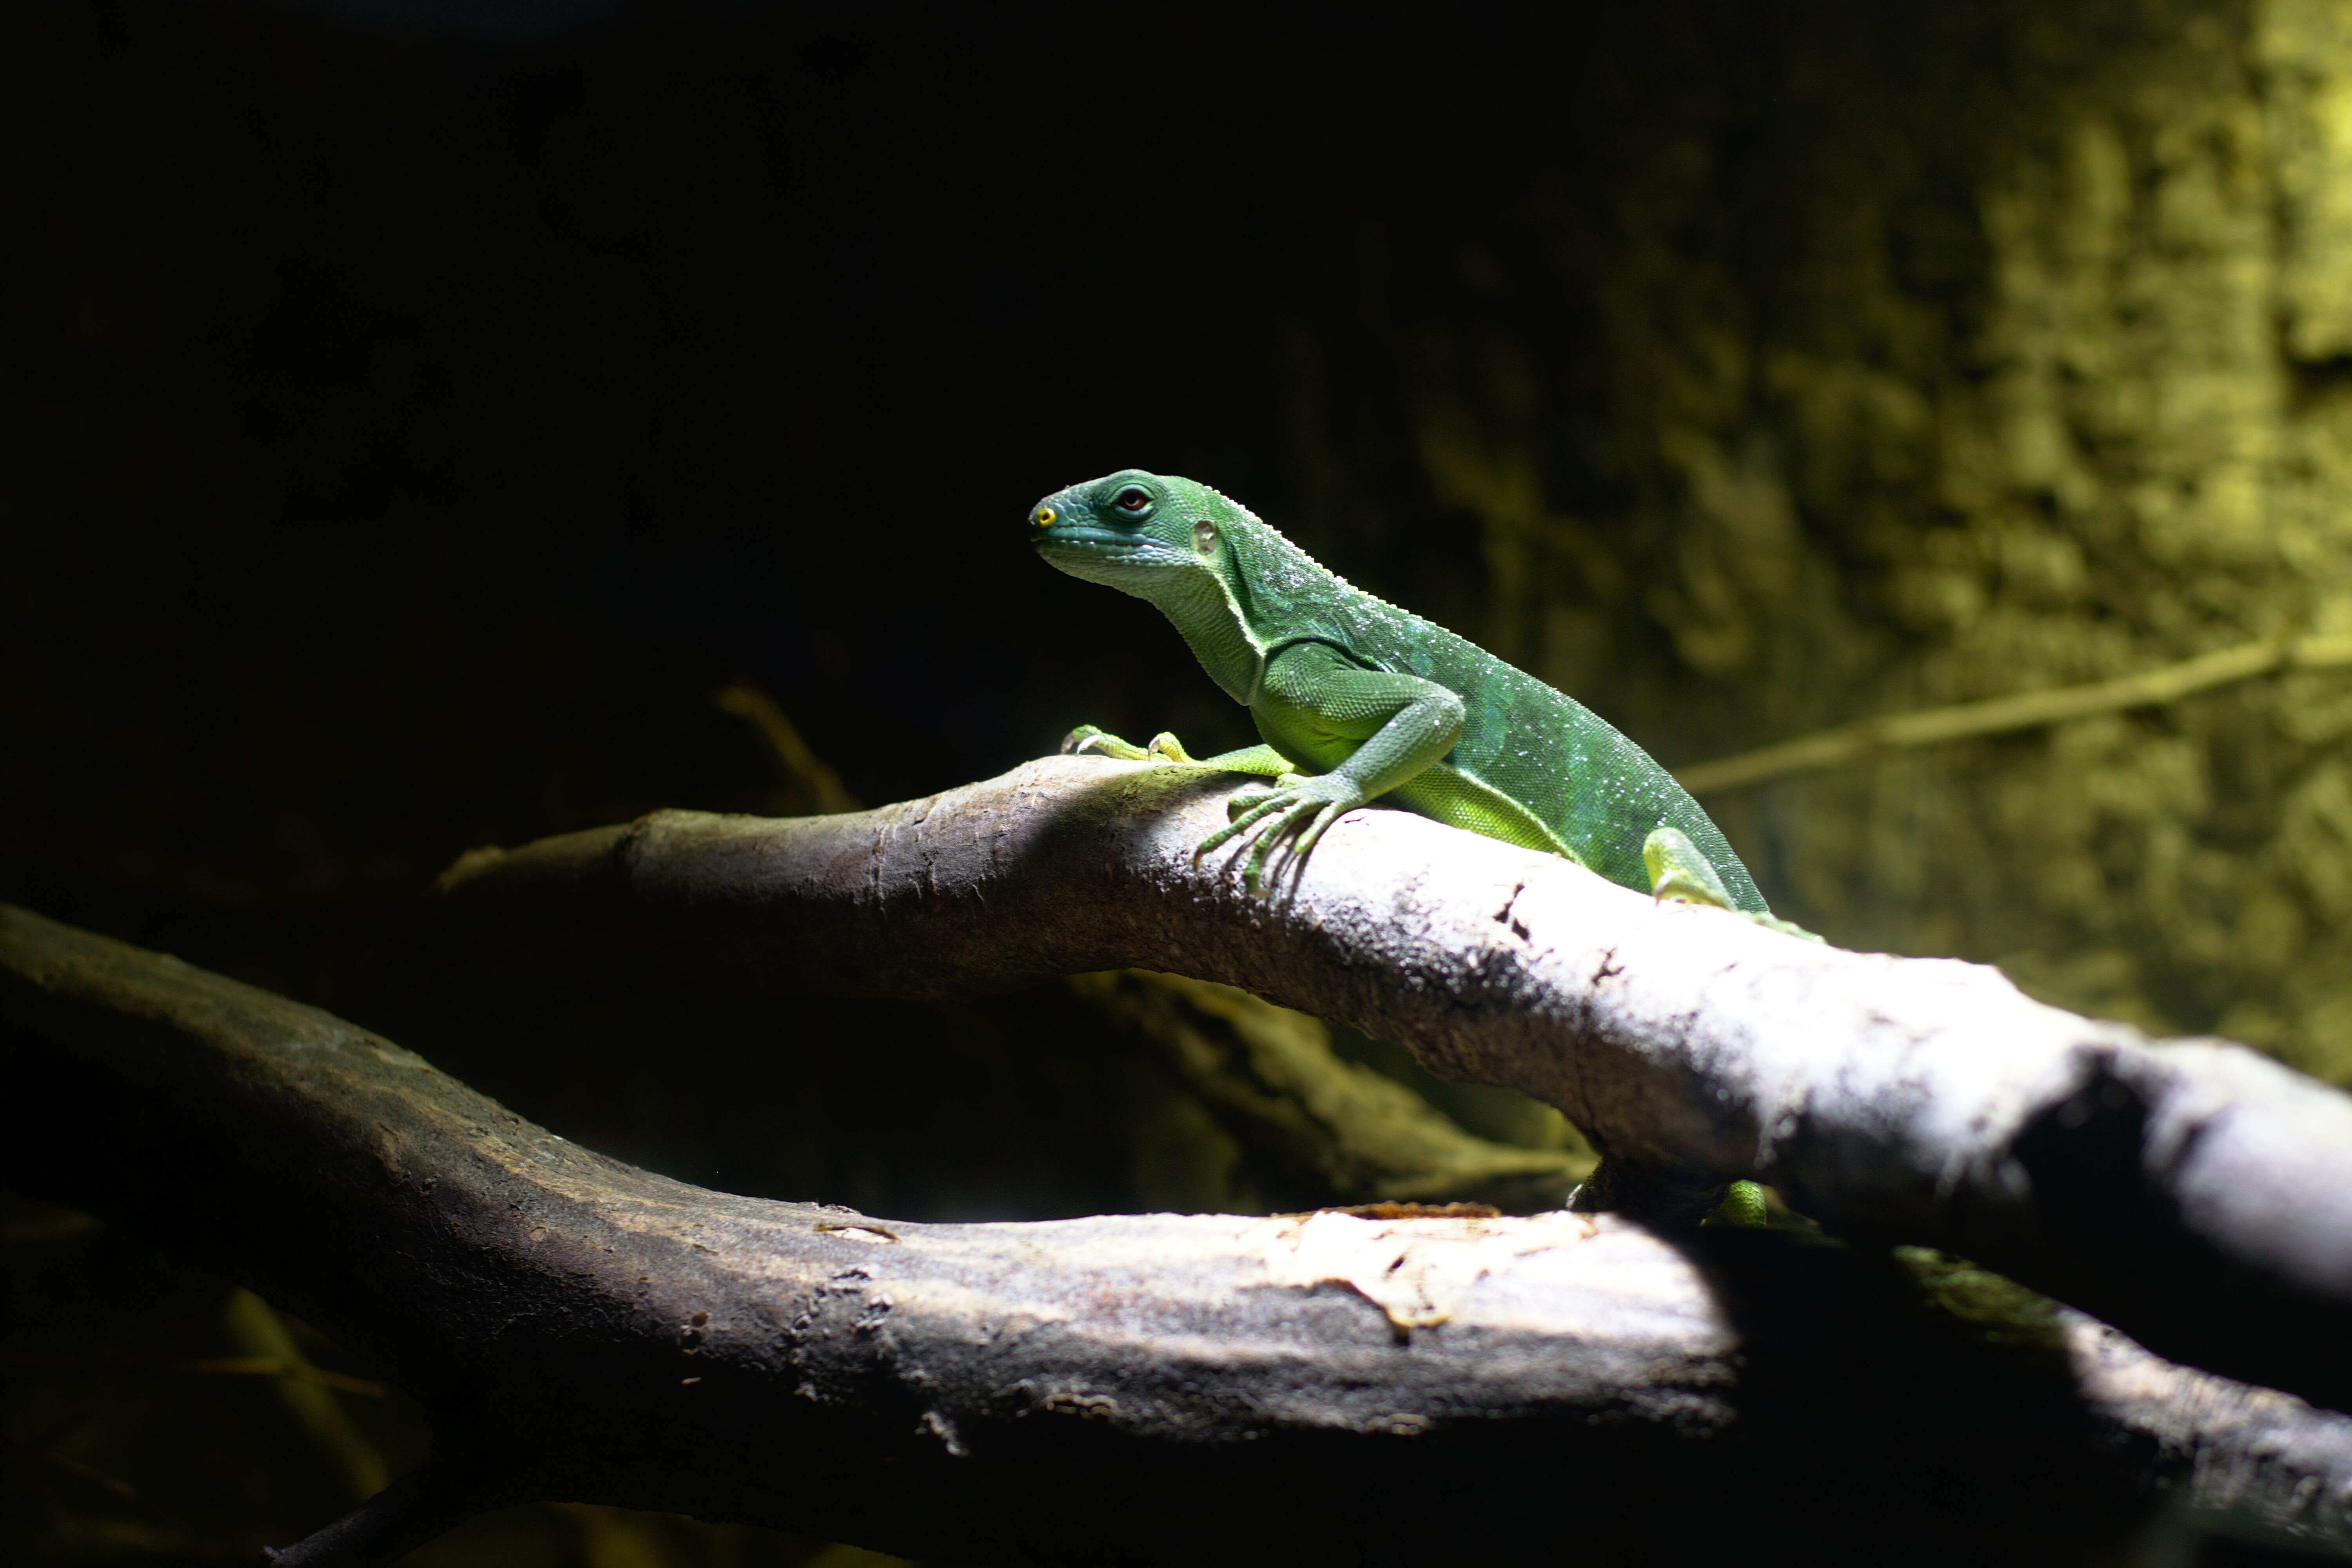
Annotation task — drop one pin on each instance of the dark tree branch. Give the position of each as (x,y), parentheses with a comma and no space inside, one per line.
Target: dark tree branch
(2193,1192)
(1150,1389)
(406,1514)
(1345,1133)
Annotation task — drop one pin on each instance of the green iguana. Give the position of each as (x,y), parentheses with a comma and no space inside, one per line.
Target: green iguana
(1360,700)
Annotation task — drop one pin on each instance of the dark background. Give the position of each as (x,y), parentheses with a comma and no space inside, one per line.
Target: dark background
(409,418)
(408,430)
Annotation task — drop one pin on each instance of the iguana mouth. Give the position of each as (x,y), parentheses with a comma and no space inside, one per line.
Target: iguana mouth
(1103,542)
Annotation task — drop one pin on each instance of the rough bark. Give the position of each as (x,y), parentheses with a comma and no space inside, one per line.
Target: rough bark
(1154,1388)
(2195,1194)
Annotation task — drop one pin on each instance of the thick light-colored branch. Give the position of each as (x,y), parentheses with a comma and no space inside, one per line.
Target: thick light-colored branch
(2193,1192)
(1156,1388)
(2023,711)
(1342,1132)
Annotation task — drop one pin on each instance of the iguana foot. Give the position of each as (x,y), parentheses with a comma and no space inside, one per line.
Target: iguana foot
(1298,803)
(1672,1200)
(1742,1203)
(1091,741)
(1679,873)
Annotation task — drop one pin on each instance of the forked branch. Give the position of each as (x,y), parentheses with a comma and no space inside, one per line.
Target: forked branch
(1154,1389)
(2193,1192)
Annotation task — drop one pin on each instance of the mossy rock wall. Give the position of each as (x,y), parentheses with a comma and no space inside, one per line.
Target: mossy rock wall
(1996,350)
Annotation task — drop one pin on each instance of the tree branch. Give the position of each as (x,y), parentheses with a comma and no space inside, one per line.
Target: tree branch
(2020,710)
(1353,1134)
(1266,1073)
(1149,1389)
(412,1510)
(2194,1194)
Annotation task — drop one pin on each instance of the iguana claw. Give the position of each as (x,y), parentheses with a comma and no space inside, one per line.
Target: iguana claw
(1093,741)
(1267,816)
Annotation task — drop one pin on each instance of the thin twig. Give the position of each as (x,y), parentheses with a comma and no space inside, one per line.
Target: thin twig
(2024,711)
(307,1394)
(1353,1133)
(749,701)
(64,1464)
(181,1366)
(409,1512)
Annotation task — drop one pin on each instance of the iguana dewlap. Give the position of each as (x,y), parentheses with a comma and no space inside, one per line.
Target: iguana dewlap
(1358,700)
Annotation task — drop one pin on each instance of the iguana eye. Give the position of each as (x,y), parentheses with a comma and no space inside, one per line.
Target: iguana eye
(1131,499)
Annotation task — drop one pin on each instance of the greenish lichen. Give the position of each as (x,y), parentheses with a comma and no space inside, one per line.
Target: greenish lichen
(2044,380)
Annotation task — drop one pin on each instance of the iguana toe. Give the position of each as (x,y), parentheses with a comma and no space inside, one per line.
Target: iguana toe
(1679,872)
(1091,741)
(1300,803)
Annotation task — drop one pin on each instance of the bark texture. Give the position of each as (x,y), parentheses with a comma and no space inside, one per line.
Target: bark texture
(2193,1192)
(1152,1388)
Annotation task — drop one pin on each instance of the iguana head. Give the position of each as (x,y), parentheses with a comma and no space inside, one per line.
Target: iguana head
(1152,535)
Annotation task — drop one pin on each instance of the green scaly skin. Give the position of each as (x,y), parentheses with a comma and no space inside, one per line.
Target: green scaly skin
(1357,701)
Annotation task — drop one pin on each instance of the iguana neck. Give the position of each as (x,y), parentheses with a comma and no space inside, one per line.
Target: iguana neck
(1220,638)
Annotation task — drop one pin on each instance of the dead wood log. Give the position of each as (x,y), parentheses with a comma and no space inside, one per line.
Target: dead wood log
(2193,1192)
(1151,1389)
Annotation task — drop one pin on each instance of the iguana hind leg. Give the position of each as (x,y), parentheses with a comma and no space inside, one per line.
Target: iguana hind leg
(1680,873)
(1675,1200)
(1263,761)
(1454,798)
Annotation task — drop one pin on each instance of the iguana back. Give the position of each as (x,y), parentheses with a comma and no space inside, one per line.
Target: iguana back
(1599,793)
(1288,638)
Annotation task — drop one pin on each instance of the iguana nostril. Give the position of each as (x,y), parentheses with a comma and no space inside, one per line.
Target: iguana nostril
(1045,518)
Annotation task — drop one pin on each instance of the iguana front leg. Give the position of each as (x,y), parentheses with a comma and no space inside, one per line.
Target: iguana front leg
(1375,729)
(1088,741)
